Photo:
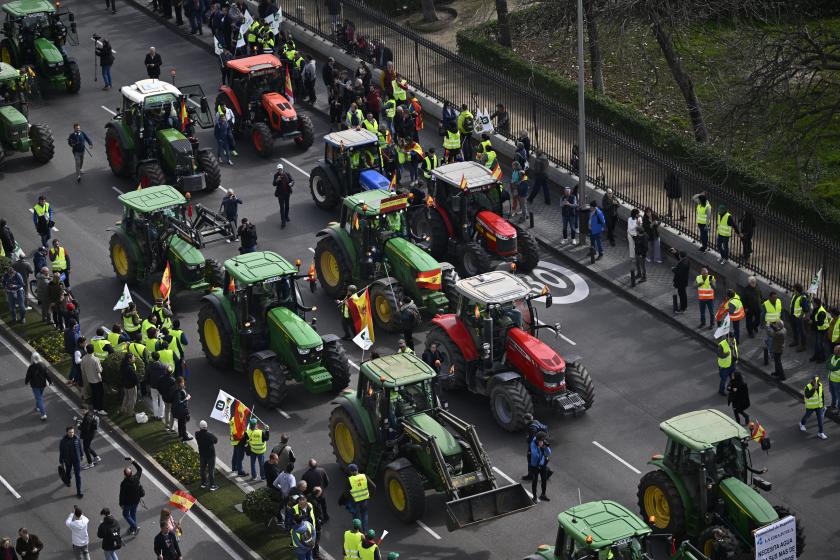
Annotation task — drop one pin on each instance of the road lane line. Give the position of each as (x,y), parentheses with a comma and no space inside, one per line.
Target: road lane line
(353,364)
(509,479)
(9,488)
(113,114)
(295,166)
(616,457)
(116,190)
(283,413)
(428,530)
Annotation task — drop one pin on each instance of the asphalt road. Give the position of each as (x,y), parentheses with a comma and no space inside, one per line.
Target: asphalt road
(645,371)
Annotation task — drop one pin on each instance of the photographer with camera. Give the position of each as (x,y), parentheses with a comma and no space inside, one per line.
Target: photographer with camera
(106,58)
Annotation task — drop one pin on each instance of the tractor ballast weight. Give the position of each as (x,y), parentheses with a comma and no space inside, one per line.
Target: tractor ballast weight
(260,110)
(16,133)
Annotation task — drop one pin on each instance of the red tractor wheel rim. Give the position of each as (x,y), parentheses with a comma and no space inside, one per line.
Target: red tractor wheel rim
(257,139)
(115,153)
(145,181)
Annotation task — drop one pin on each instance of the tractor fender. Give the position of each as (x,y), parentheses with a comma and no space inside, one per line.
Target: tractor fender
(692,519)
(399,464)
(572,359)
(227,90)
(263,355)
(352,406)
(503,377)
(326,338)
(342,240)
(450,229)
(458,333)
(125,142)
(328,171)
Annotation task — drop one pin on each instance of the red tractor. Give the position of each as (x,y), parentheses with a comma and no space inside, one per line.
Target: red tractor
(491,346)
(464,224)
(258,108)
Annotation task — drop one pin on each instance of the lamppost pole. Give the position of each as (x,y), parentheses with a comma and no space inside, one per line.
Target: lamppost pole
(581,109)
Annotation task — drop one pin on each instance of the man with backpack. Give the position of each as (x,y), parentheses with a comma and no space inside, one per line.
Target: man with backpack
(532,428)
(109,532)
(283,184)
(131,492)
(247,233)
(88,426)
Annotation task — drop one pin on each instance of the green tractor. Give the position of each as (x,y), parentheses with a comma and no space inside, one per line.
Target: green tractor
(155,230)
(151,137)
(35,36)
(16,134)
(257,324)
(393,428)
(704,486)
(371,245)
(606,530)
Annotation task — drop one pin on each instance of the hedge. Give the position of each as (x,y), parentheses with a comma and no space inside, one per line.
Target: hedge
(259,506)
(181,461)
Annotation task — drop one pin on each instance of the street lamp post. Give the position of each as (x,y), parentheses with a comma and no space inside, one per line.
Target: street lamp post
(581,109)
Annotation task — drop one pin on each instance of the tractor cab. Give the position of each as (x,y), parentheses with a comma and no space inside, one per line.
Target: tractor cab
(254,76)
(14,88)
(371,219)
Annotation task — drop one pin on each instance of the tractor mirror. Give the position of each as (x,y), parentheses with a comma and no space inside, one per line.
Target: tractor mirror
(205,108)
(549,301)
(762,484)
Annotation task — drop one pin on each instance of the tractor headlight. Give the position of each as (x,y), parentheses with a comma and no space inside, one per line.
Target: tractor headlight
(319,347)
(501,237)
(194,267)
(287,119)
(304,351)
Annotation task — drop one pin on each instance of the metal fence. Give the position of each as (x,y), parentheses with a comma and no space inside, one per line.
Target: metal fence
(785,251)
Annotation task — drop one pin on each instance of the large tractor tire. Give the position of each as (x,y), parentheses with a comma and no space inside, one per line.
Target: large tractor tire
(208,163)
(527,249)
(800,531)
(114,151)
(149,174)
(43,142)
(579,381)
(333,271)
(405,493)
(509,403)
(348,441)
(215,337)
(268,380)
(473,259)
(154,281)
(448,279)
(428,223)
(724,545)
(385,298)
(307,136)
(336,362)
(214,273)
(121,259)
(658,497)
(453,359)
(325,193)
(74,77)
(263,139)
(6,52)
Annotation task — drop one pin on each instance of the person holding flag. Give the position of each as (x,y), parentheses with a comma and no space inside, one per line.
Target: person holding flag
(344,309)
(359,309)
(727,355)
(239,414)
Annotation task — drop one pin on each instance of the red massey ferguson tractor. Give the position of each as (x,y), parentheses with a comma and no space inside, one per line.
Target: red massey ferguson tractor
(464,224)
(491,346)
(259,109)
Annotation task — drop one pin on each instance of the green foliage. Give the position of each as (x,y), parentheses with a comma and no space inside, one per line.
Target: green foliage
(5,263)
(111,369)
(259,505)
(181,461)
(50,345)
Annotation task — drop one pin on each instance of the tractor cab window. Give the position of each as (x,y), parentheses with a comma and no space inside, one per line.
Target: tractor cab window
(369,158)
(730,460)
(160,111)
(682,458)
(413,399)
(508,315)
(329,152)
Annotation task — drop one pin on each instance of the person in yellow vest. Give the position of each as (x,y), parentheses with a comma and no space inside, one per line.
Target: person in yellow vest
(302,536)
(703,212)
(736,312)
(131,322)
(116,336)
(814,403)
(42,217)
(430,162)
(370,124)
(800,309)
(821,321)
(466,125)
(705,284)
(413,158)
(771,311)
(170,352)
(834,329)
(180,339)
(257,438)
(370,547)
(60,261)
(239,443)
(389,108)
(356,494)
(833,366)
(726,226)
(399,86)
(344,309)
(101,347)
(485,145)
(451,143)
(354,117)
(163,310)
(402,347)
(727,359)
(353,541)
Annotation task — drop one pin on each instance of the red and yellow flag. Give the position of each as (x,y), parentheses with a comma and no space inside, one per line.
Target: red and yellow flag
(429,279)
(393,185)
(290,94)
(239,417)
(182,500)
(463,184)
(359,306)
(185,119)
(166,282)
(497,171)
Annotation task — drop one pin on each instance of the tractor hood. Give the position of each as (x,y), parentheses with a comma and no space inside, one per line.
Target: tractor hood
(183,251)
(278,109)
(498,233)
(535,350)
(748,500)
(9,117)
(449,446)
(48,52)
(403,253)
(295,328)
(173,146)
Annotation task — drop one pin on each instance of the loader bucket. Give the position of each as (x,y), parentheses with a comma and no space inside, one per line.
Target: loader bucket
(486,506)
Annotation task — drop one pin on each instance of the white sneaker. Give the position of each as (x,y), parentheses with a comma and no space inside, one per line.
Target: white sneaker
(821,435)
(43,417)
(802,427)
(575,241)
(102,413)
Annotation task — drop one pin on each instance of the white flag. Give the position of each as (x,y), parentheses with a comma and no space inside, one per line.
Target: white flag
(217,48)
(273,21)
(723,329)
(243,29)
(362,339)
(124,300)
(221,408)
(483,124)
(815,283)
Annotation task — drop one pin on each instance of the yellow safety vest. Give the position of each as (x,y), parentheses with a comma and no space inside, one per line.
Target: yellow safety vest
(352,545)
(368,553)
(164,320)
(816,400)
(359,488)
(429,162)
(128,323)
(167,357)
(738,314)
(390,108)
(703,213)
(255,441)
(704,288)
(491,158)
(137,349)
(823,326)
(723,227)
(399,92)
(834,369)
(796,305)
(372,126)
(772,313)
(296,509)
(175,345)
(461,118)
(348,119)
(99,347)
(59,264)
(485,146)
(114,339)
(405,350)
(42,210)
(452,140)
(835,330)
(733,353)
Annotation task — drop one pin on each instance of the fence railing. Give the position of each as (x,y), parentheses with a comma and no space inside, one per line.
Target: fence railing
(785,250)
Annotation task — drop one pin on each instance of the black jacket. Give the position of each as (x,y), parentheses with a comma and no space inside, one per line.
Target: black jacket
(36,376)
(167,388)
(681,272)
(316,476)
(180,404)
(88,426)
(153,64)
(167,546)
(128,374)
(738,395)
(7,238)
(155,371)
(69,450)
(130,488)
(206,443)
(109,532)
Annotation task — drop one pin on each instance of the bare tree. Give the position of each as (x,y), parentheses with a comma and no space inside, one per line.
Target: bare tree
(596,60)
(428,8)
(504,23)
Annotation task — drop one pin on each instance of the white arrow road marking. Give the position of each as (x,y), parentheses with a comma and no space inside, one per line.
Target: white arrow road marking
(616,457)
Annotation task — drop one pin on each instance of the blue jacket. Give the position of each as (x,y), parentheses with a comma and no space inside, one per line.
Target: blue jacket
(596,221)
(70,450)
(539,455)
(13,283)
(77,141)
(221,131)
(229,205)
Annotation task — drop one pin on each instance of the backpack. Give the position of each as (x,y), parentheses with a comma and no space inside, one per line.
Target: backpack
(140,490)
(115,538)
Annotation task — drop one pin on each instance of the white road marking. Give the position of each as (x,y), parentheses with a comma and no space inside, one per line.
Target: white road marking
(108,110)
(221,188)
(9,488)
(295,166)
(509,479)
(283,413)
(32,211)
(616,457)
(428,530)
(116,190)
(353,364)
(148,476)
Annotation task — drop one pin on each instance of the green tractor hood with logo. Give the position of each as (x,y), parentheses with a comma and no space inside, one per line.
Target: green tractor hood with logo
(172,144)
(12,117)
(184,256)
(750,503)
(296,330)
(407,260)
(48,52)
(447,443)
(289,334)
(14,129)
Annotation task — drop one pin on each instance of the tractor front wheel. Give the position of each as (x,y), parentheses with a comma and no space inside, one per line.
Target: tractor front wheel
(528,251)
(268,379)
(406,496)
(660,500)
(154,281)
(385,297)
(346,440)
(115,154)
(43,142)
(74,78)
(336,362)
(150,174)
(473,258)
(579,381)
(509,403)
(718,541)
(208,163)
(453,367)
(215,337)
(263,139)
(307,136)
(448,279)
(800,531)
(124,266)
(214,273)
(333,271)
(325,193)
(428,223)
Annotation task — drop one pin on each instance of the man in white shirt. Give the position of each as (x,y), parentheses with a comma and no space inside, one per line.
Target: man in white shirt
(285,481)
(634,222)
(78,525)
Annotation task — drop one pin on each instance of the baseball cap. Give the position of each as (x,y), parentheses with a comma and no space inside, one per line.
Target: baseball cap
(253,421)
(352,467)
(280,166)
(202,425)
(371,534)
(393,556)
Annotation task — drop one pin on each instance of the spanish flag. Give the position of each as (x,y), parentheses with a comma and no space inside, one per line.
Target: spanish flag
(463,184)
(181,500)
(429,279)
(239,417)
(166,282)
(359,306)
(290,94)
(497,171)
(185,119)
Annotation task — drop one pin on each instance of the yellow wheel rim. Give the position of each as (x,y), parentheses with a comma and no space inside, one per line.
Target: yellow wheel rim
(212,338)
(396,493)
(709,547)
(120,259)
(383,308)
(329,269)
(260,383)
(156,293)
(344,443)
(5,55)
(656,504)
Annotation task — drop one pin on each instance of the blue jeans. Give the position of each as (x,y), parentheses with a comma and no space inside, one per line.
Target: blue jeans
(17,305)
(736,330)
(724,373)
(106,75)
(569,222)
(223,150)
(110,554)
(76,467)
(706,304)
(39,400)
(129,512)
(236,461)
(808,412)
(359,510)
(257,459)
(834,391)
(723,247)
(704,236)
(595,238)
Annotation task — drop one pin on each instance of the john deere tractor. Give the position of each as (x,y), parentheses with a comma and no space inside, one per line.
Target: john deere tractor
(260,110)
(463,221)
(704,486)
(371,245)
(393,429)
(257,324)
(352,163)
(606,530)
(16,134)
(151,138)
(35,37)
(155,230)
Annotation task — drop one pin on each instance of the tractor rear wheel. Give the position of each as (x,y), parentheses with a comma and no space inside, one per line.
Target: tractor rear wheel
(308,132)
(124,266)
(336,362)
(215,337)
(333,271)
(43,142)
(579,381)
(800,531)
(347,440)
(527,249)
(659,498)
(325,193)
(268,380)
(263,139)
(509,403)
(385,298)
(74,78)
(115,153)
(448,279)
(214,273)
(208,163)
(428,222)
(473,258)
(722,545)
(406,496)
(150,174)
(453,368)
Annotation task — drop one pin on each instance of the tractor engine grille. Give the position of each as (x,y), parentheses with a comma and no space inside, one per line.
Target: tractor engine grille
(193,274)
(569,402)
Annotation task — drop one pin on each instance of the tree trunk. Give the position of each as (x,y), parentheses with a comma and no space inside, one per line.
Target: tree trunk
(504,24)
(684,81)
(596,60)
(429,13)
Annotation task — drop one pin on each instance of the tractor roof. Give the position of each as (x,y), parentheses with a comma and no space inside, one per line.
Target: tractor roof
(138,91)
(477,175)
(259,266)
(493,287)
(702,429)
(377,201)
(607,522)
(397,370)
(152,199)
(256,63)
(351,138)
(8,72)
(20,8)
